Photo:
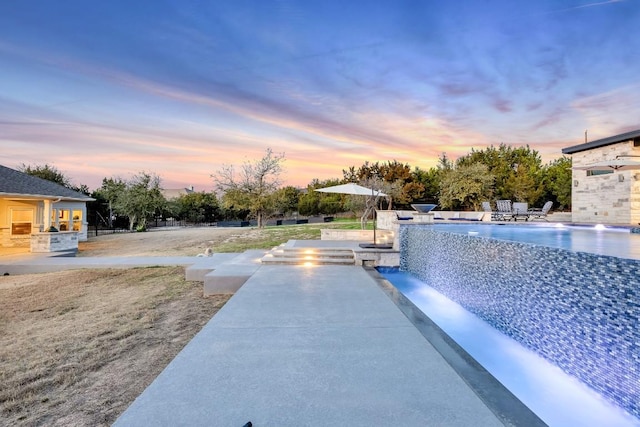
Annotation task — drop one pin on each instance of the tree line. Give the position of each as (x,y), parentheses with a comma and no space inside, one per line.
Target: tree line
(254,189)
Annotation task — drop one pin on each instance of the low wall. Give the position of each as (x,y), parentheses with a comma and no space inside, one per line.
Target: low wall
(578,310)
(355,235)
(387,219)
(377,258)
(54,242)
(9,241)
(461,216)
(352,235)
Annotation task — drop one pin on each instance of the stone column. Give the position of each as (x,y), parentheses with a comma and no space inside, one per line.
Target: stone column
(48,206)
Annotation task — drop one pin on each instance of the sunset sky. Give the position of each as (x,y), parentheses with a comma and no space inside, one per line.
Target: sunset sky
(180,87)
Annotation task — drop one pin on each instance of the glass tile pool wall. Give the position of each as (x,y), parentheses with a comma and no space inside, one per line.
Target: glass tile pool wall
(578,310)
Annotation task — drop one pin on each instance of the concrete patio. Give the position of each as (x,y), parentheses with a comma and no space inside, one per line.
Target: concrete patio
(313,346)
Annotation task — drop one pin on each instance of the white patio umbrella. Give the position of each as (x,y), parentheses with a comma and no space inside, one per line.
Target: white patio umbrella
(615,164)
(352,188)
(358,190)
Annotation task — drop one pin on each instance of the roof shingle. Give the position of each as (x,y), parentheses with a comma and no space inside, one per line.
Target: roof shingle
(16,183)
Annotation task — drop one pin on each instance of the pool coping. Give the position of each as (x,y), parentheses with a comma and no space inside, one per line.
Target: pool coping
(503,403)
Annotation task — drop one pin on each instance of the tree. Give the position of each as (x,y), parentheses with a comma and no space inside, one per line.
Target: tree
(111,190)
(313,202)
(525,184)
(286,200)
(196,207)
(371,203)
(444,163)
(394,179)
(466,186)
(254,187)
(229,212)
(430,181)
(139,199)
(399,184)
(51,173)
(557,182)
(510,166)
(308,203)
(48,172)
(366,171)
(81,189)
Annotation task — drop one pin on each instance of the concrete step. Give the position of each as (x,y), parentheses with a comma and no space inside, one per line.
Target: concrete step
(309,256)
(229,276)
(205,265)
(308,261)
(305,253)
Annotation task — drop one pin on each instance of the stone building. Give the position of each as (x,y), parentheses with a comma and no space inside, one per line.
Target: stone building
(606,196)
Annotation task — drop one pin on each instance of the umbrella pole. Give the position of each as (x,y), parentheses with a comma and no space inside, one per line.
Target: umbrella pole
(374,226)
(373,206)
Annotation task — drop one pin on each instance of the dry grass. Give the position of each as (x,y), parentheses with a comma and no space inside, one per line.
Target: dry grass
(170,242)
(192,241)
(77,347)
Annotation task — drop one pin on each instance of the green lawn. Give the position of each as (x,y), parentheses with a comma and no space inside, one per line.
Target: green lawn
(272,236)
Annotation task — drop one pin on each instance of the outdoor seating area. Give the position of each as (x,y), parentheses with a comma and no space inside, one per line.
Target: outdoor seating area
(507,211)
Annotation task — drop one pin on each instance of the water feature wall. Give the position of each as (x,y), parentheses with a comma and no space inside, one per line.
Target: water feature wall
(579,311)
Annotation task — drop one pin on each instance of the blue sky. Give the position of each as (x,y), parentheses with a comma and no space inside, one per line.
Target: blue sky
(180,87)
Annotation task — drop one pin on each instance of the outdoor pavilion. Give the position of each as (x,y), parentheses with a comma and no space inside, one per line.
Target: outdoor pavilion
(606,180)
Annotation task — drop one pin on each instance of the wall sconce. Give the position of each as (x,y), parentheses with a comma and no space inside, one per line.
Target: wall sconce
(620,177)
(575,182)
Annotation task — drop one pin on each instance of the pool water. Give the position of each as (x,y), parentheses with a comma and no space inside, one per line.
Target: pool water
(557,398)
(609,241)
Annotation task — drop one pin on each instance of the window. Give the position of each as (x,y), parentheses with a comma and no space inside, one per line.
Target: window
(77,221)
(594,173)
(63,216)
(67,219)
(21,222)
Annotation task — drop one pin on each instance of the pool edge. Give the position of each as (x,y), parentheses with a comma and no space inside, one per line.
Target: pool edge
(503,403)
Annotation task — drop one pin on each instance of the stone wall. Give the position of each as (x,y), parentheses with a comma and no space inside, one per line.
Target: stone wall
(579,311)
(54,242)
(9,241)
(608,199)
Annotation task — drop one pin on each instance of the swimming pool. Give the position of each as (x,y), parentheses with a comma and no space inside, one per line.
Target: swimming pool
(557,398)
(574,307)
(609,241)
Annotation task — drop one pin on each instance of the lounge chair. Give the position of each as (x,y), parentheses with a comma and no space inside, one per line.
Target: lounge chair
(520,211)
(504,212)
(540,213)
(486,207)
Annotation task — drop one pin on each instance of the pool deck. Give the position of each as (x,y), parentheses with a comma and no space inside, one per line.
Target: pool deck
(313,346)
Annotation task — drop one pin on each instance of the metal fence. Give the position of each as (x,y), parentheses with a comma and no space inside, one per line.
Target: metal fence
(101,230)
